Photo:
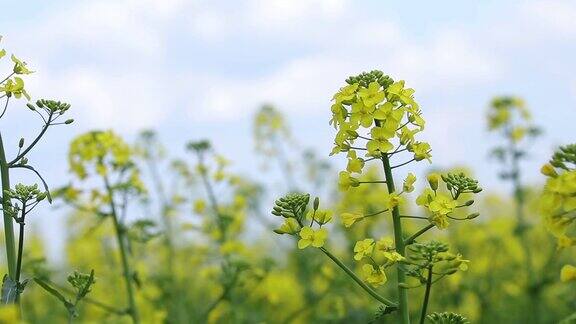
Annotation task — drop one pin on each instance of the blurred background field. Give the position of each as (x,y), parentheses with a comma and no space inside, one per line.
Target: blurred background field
(161,74)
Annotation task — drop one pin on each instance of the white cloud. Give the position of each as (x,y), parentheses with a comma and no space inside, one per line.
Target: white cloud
(555,16)
(305,85)
(127,102)
(275,13)
(448,59)
(210,25)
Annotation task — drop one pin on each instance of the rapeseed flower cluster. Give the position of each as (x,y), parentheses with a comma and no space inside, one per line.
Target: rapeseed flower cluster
(558,201)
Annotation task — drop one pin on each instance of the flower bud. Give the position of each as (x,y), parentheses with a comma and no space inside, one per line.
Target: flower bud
(31,106)
(473,215)
(41,196)
(433,180)
(548,170)
(316,203)
(21,143)
(69,121)
(469,202)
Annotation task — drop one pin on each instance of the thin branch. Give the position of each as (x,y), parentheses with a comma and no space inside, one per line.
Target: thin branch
(426,295)
(21,166)
(359,281)
(5,107)
(21,155)
(375,181)
(8,77)
(412,238)
(415,217)
(402,164)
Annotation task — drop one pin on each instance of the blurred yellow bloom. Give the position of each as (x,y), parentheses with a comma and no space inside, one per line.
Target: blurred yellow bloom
(439,220)
(346,93)
(385,244)
(421,151)
(380,141)
(548,170)
(568,273)
(9,314)
(290,226)
(374,276)
(517,134)
(311,237)
(433,180)
(372,95)
(393,256)
(362,114)
(409,182)
(565,242)
(321,217)
(345,181)
(355,164)
(199,206)
(442,204)
(348,219)
(392,200)
(363,248)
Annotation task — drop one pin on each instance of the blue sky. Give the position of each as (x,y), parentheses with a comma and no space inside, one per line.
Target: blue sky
(199,69)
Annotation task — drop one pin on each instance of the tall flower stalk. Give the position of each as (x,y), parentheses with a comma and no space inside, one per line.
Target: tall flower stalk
(17,202)
(509,117)
(379,118)
(558,207)
(106,156)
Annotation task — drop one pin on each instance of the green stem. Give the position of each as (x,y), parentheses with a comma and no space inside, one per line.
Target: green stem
(412,238)
(8,223)
(212,199)
(34,142)
(359,281)
(120,232)
(426,295)
(20,244)
(521,228)
(88,300)
(399,242)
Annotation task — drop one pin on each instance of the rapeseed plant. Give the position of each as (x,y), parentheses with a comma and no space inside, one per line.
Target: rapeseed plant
(384,115)
(19,201)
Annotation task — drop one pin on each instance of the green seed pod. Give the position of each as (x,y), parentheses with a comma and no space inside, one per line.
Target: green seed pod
(41,196)
(472,216)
